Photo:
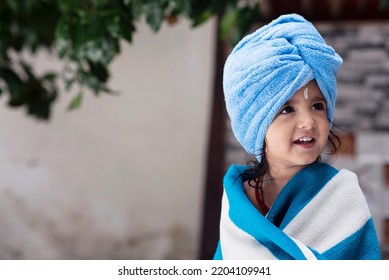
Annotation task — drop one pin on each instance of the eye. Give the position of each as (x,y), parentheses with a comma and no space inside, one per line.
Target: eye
(287,110)
(319,106)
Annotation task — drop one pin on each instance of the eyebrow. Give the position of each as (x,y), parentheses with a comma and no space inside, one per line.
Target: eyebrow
(315,99)
(319,98)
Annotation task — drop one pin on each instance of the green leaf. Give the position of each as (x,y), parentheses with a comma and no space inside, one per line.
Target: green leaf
(245,20)
(87,79)
(113,26)
(13,81)
(14,5)
(227,23)
(68,5)
(69,83)
(51,76)
(126,29)
(100,2)
(206,15)
(76,102)
(154,16)
(99,71)
(182,6)
(137,8)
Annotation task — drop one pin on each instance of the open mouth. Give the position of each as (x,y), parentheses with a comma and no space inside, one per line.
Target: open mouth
(305,141)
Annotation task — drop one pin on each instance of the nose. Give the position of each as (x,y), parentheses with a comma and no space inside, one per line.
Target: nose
(306,121)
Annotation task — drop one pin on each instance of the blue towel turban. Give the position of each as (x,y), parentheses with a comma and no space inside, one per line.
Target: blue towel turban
(267,67)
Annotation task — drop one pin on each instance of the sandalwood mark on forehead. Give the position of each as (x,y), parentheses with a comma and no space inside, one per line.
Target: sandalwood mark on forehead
(306,92)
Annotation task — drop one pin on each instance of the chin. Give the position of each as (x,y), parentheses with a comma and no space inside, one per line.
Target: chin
(308,161)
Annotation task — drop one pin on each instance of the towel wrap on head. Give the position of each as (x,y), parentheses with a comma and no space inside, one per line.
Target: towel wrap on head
(267,67)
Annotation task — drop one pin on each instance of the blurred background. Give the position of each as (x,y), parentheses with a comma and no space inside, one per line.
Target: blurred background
(114,134)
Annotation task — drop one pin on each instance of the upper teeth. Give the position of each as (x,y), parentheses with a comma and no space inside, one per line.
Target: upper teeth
(305,139)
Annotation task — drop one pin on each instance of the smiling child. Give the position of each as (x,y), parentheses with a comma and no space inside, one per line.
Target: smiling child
(280,91)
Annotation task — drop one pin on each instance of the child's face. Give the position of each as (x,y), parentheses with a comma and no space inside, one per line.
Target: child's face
(299,132)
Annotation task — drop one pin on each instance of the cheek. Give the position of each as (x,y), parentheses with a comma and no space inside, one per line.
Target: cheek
(325,130)
(271,136)
(326,127)
(275,137)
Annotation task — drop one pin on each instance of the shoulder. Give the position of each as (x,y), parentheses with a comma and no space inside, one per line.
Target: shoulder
(234,169)
(347,180)
(342,175)
(346,174)
(233,175)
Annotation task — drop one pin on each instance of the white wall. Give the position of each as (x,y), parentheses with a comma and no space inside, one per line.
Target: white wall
(122,177)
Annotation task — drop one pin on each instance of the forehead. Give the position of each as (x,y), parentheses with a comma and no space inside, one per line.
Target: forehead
(313,92)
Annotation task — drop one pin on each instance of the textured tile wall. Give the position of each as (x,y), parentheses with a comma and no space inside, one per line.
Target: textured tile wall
(363,81)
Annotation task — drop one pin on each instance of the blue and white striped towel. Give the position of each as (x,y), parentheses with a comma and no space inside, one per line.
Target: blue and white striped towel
(321,213)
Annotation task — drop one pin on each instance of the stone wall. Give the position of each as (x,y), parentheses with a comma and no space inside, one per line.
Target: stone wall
(363,81)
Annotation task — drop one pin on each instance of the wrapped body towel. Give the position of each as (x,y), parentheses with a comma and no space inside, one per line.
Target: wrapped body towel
(321,213)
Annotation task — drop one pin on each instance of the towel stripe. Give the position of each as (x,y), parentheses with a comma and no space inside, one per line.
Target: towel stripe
(245,217)
(361,245)
(291,200)
(311,224)
(241,245)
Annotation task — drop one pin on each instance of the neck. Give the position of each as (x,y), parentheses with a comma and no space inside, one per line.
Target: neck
(280,175)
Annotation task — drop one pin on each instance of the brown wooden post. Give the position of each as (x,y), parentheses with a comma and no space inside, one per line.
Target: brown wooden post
(215,159)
